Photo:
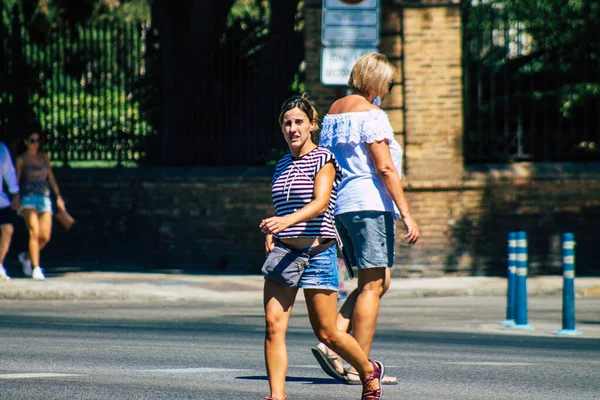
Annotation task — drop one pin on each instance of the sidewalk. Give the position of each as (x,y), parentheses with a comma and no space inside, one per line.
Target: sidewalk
(238,288)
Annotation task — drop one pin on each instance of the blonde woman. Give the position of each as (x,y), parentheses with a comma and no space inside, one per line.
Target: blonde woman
(370,199)
(36,180)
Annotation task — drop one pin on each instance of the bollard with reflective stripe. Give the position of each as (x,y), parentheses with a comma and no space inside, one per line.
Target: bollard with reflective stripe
(568,310)
(521,284)
(511,277)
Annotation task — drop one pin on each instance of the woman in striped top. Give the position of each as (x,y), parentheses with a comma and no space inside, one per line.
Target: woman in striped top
(304,191)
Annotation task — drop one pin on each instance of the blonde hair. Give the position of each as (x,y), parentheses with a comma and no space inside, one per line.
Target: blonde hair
(304,104)
(372,73)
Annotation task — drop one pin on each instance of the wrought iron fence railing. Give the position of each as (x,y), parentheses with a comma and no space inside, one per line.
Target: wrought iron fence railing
(86,86)
(531,82)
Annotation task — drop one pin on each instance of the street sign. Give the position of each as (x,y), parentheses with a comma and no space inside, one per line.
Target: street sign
(351,4)
(351,36)
(350,23)
(337,62)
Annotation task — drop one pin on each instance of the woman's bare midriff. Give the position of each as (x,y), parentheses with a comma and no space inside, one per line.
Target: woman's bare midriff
(303,243)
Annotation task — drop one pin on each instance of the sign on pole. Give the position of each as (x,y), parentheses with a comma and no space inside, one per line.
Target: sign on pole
(351,4)
(351,23)
(337,62)
(350,28)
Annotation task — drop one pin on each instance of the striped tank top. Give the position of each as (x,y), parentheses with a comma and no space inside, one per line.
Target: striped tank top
(35,179)
(293,188)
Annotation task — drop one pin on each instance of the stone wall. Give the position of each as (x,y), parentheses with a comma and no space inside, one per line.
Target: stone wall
(465,223)
(194,219)
(433,91)
(205,220)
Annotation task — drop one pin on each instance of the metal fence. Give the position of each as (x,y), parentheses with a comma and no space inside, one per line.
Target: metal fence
(85,86)
(228,106)
(527,97)
(114,93)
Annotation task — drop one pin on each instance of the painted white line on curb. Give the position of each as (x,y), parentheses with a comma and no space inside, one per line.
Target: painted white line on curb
(35,375)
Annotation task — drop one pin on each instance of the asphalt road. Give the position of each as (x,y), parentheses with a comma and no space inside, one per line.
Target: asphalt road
(440,348)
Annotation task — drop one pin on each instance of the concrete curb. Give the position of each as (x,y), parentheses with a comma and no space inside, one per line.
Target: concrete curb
(95,286)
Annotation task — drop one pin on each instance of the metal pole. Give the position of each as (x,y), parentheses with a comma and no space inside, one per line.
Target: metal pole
(521,284)
(511,276)
(568,306)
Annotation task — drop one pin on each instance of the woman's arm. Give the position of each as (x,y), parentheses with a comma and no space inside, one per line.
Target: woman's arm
(60,203)
(51,178)
(382,160)
(269,244)
(19,168)
(322,190)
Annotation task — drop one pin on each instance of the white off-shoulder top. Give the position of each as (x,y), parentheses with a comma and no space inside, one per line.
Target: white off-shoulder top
(346,135)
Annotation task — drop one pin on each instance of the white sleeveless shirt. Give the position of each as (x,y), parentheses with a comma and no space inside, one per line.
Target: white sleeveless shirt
(346,135)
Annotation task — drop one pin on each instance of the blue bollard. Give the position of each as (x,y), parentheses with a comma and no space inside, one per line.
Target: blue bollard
(511,272)
(568,306)
(521,284)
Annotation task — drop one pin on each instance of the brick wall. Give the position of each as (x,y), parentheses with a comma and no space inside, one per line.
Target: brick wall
(433,91)
(206,220)
(465,224)
(197,219)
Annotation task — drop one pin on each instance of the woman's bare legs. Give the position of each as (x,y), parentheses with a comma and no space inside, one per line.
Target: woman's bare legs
(39,226)
(346,313)
(322,310)
(364,318)
(33,227)
(6,232)
(344,317)
(278,302)
(45,229)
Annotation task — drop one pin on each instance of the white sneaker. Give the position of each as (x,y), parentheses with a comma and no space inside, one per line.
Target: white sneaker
(3,275)
(38,274)
(25,263)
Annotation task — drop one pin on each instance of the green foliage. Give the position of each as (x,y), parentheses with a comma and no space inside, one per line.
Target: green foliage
(248,13)
(299,83)
(247,27)
(85,77)
(250,19)
(532,79)
(554,38)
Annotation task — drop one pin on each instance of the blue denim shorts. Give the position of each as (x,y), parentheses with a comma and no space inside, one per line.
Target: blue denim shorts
(368,238)
(38,202)
(322,272)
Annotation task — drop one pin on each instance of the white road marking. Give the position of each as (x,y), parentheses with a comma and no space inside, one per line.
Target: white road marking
(192,370)
(489,363)
(35,375)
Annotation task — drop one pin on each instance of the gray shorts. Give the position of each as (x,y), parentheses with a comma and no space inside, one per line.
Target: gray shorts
(368,238)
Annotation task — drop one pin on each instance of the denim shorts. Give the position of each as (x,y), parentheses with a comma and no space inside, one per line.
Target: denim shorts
(38,202)
(368,237)
(322,272)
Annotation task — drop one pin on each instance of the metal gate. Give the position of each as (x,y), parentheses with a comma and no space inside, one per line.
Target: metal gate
(527,95)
